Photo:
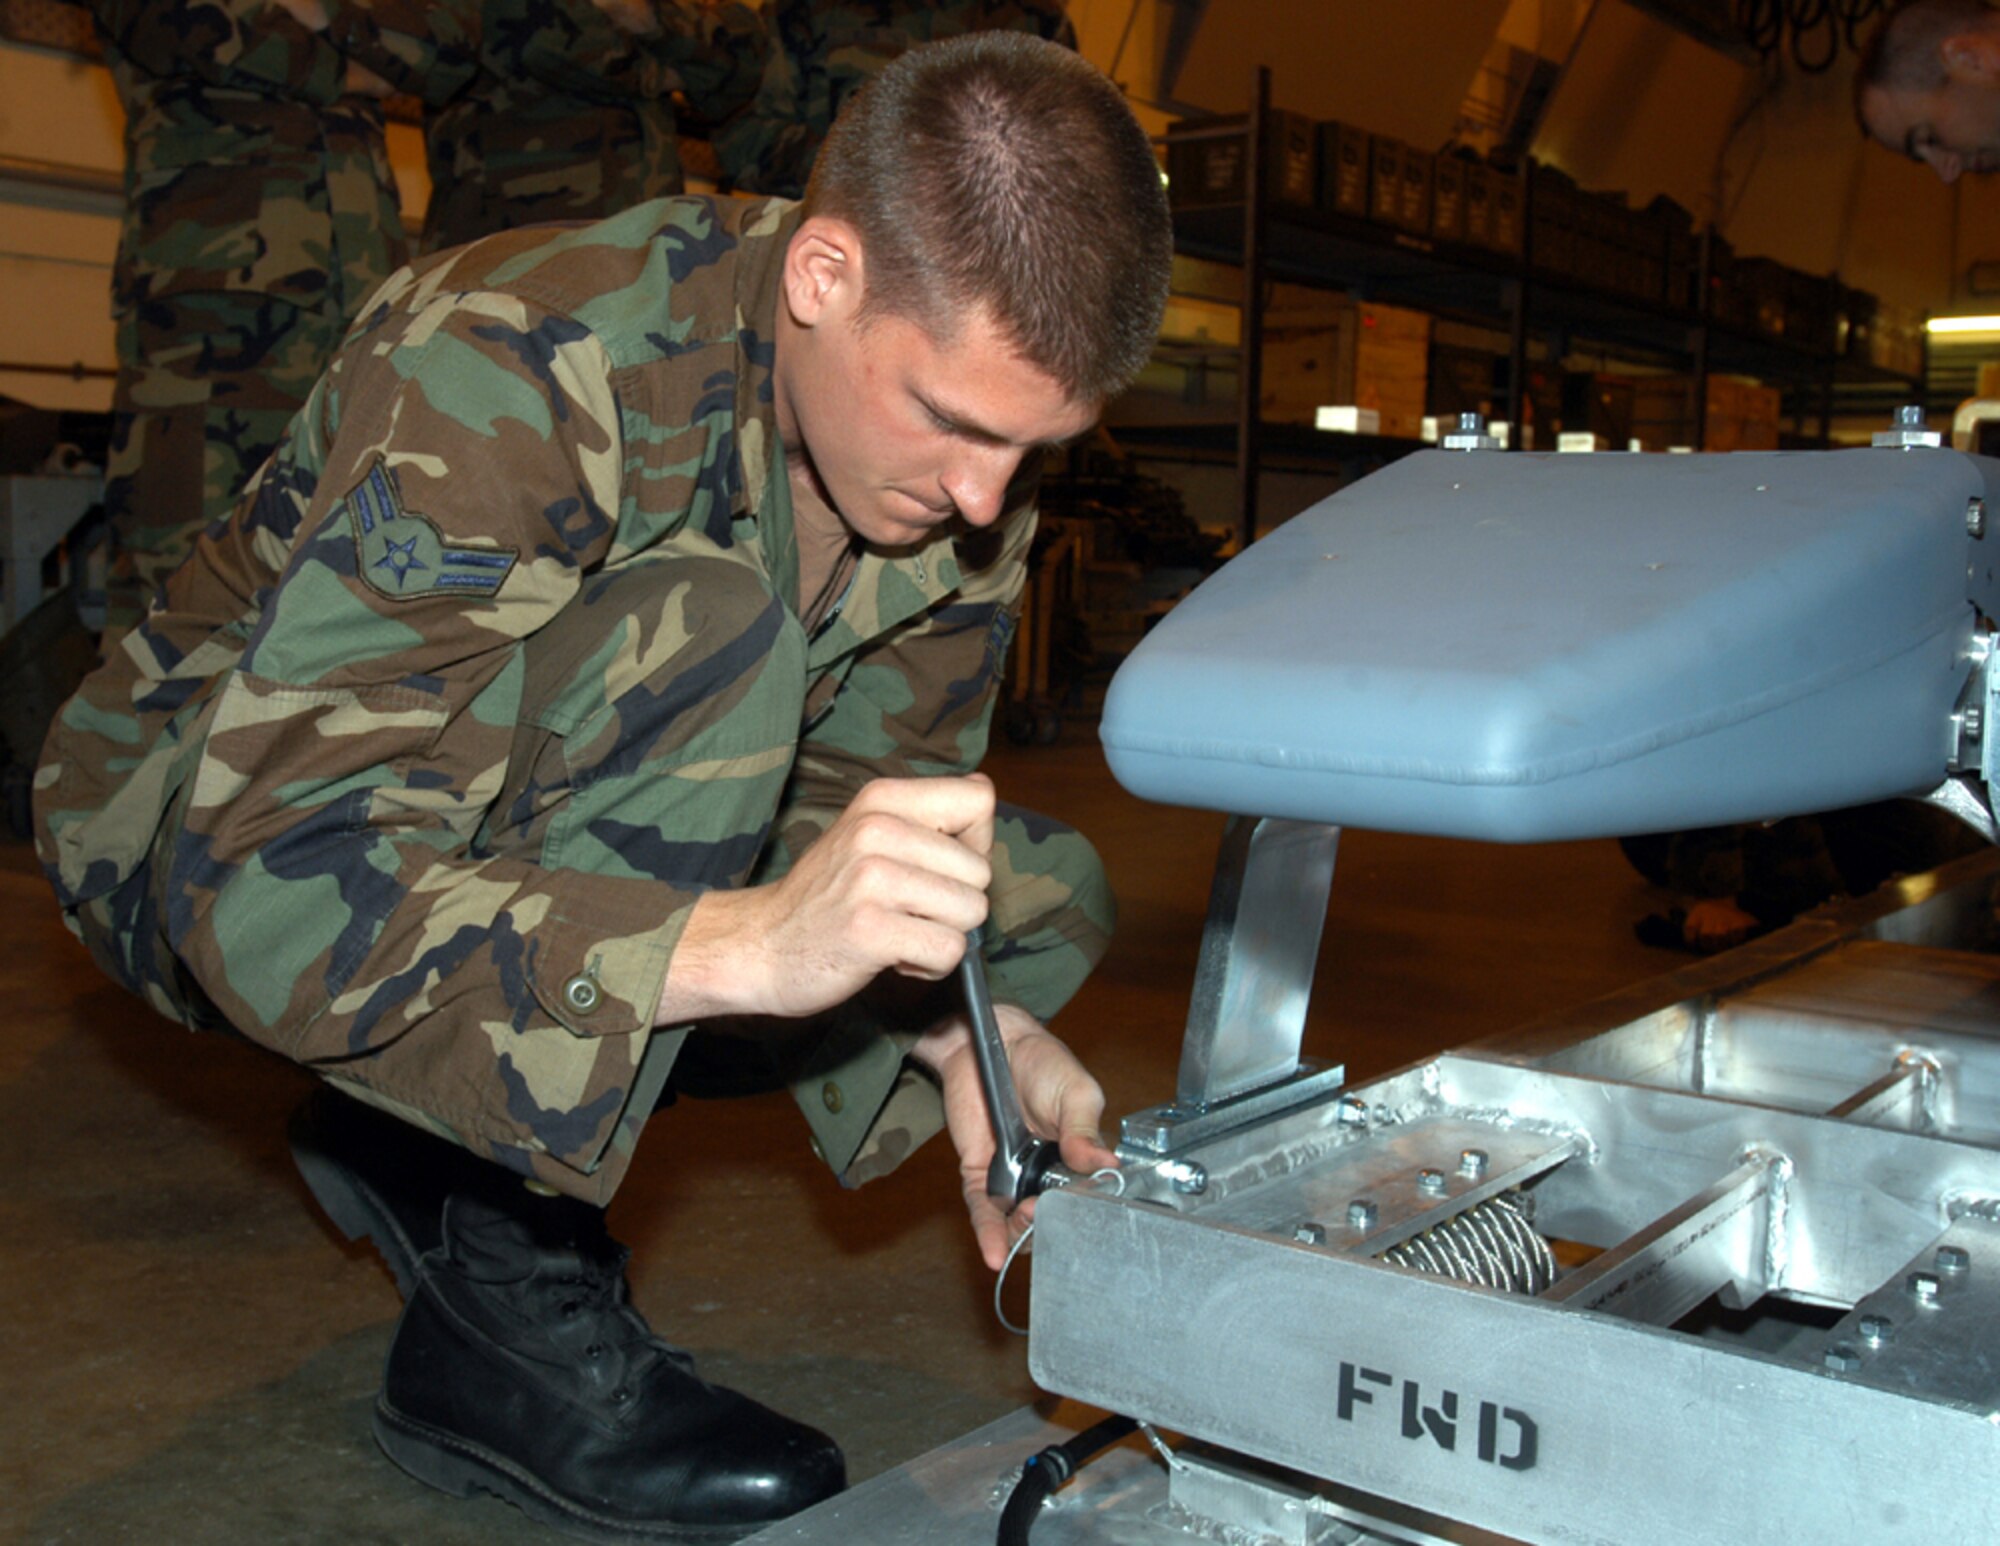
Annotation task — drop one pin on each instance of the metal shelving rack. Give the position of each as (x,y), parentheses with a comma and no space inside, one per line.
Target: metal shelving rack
(1490,289)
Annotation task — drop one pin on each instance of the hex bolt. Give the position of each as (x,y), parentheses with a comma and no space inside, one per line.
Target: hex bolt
(1953,1259)
(1431,1182)
(1353,1112)
(1309,1234)
(1924,1287)
(1910,416)
(1843,1358)
(1472,423)
(1875,1329)
(1472,1163)
(1362,1214)
(1187,1178)
(1975,517)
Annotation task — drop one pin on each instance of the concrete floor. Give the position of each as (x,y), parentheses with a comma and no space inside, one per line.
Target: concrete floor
(189,1354)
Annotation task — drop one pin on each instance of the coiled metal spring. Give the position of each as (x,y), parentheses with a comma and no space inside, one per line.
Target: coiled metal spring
(1494,1244)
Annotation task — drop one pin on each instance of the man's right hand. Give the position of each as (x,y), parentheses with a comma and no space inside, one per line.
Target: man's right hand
(892,885)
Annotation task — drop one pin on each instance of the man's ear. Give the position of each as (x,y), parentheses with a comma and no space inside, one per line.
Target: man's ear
(1972,59)
(823,271)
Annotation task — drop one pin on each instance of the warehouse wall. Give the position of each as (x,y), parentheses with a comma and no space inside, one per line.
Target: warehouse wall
(58,118)
(61,156)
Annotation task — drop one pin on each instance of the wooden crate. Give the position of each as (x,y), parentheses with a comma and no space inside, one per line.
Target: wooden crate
(1323,349)
(1742,415)
(1392,365)
(1308,364)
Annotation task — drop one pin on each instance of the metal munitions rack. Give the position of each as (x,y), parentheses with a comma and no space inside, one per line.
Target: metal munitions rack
(1714,1261)
(1723,1266)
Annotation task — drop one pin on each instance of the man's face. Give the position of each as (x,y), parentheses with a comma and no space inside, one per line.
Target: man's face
(1953,129)
(902,432)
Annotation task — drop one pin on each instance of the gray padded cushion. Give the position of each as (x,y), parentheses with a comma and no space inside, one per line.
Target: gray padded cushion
(1526,647)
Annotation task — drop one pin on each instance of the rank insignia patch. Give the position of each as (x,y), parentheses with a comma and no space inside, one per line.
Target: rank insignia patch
(402,555)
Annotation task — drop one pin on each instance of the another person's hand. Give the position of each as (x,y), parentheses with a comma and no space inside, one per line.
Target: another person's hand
(634,16)
(364,82)
(893,885)
(309,14)
(1717,923)
(1059,1100)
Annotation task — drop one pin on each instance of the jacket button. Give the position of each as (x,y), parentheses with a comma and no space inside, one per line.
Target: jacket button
(582,993)
(830,1093)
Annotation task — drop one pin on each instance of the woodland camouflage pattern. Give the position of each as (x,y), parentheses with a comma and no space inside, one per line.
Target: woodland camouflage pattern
(416,772)
(260,212)
(826,50)
(569,116)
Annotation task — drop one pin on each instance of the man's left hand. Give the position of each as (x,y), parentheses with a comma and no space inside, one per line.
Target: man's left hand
(1059,1100)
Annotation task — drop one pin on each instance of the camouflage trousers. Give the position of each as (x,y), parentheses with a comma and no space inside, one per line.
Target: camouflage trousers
(647,745)
(206,385)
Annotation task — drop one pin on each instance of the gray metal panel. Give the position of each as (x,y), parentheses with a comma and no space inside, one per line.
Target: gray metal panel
(1523,647)
(1546,1425)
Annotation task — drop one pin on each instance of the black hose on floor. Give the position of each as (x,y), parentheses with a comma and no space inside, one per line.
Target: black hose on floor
(1048,1470)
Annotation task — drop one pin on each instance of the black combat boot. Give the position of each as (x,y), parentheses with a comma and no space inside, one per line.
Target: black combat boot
(382,1180)
(520,1369)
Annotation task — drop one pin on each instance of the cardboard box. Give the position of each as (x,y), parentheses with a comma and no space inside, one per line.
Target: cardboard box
(1413,208)
(1209,171)
(1448,199)
(1385,179)
(1477,217)
(1553,238)
(1343,169)
(1508,212)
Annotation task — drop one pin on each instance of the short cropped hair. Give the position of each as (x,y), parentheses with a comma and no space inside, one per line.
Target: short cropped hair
(1906,52)
(995,170)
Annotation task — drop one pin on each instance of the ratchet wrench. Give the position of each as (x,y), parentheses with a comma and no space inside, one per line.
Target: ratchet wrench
(1022,1163)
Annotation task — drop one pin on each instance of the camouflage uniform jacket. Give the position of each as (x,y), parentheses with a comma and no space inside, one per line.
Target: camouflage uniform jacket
(247,168)
(569,117)
(826,50)
(296,755)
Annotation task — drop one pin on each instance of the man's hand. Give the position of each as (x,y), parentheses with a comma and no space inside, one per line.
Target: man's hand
(1059,1099)
(892,885)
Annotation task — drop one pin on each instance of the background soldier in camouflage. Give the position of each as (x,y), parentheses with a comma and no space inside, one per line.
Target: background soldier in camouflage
(825,51)
(570,114)
(606,652)
(259,213)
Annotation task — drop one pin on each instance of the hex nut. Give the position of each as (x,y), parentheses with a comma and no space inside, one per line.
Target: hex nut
(1875,1329)
(1953,1259)
(1843,1358)
(1361,1214)
(1924,1287)
(1472,1163)
(1310,1234)
(1430,1182)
